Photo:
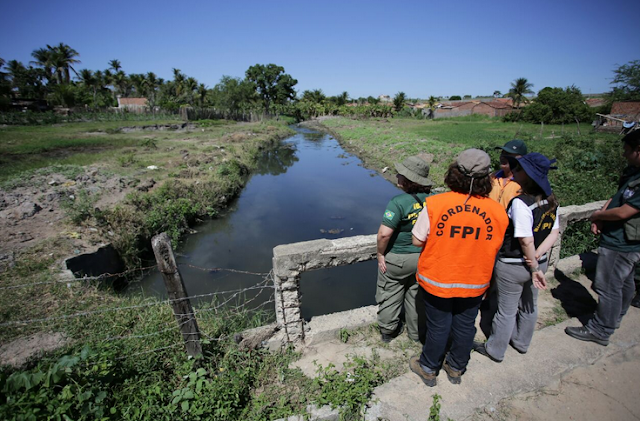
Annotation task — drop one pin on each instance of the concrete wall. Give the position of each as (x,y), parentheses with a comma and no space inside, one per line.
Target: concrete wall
(290,260)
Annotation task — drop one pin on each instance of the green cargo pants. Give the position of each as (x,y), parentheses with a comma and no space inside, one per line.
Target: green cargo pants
(396,287)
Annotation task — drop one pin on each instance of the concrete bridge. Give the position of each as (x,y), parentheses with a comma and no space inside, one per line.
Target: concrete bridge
(291,260)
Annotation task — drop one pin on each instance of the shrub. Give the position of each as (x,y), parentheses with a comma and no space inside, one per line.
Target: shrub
(80,208)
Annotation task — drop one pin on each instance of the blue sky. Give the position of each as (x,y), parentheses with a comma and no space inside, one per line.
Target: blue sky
(363,47)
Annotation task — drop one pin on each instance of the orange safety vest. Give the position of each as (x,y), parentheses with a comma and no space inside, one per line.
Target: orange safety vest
(461,248)
(503,193)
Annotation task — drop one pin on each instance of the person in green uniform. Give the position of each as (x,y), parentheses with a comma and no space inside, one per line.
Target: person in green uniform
(618,224)
(397,256)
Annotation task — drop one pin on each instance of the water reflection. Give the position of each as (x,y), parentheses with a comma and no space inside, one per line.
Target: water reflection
(276,161)
(307,188)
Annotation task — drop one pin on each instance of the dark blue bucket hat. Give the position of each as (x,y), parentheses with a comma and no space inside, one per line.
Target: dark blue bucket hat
(537,167)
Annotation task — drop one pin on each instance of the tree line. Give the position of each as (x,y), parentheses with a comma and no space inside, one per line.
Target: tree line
(52,76)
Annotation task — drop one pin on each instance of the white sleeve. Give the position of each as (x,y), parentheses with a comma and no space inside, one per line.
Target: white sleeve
(556,223)
(522,218)
(421,228)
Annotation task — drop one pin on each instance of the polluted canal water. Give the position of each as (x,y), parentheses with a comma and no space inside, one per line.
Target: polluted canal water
(306,189)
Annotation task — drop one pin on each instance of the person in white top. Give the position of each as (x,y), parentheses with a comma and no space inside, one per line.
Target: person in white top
(522,260)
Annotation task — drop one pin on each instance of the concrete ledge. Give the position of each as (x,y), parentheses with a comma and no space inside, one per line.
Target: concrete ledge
(323,413)
(325,328)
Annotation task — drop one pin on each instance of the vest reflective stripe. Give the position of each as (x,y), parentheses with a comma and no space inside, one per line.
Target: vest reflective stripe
(543,222)
(535,205)
(520,259)
(463,286)
(465,235)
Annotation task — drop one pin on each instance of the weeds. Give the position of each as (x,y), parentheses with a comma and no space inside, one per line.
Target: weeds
(350,389)
(344,335)
(577,238)
(79,207)
(127,159)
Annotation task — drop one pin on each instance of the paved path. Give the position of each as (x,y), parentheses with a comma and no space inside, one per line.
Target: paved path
(559,378)
(553,360)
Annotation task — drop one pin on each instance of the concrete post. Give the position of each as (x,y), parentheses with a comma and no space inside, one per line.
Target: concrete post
(290,260)
(569,214)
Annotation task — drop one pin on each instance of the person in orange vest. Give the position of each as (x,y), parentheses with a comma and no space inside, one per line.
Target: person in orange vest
(504,187)
(460,233)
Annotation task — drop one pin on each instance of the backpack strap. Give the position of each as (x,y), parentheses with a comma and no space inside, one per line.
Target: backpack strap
(420,202)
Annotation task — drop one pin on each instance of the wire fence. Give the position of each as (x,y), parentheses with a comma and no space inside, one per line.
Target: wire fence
(254,298)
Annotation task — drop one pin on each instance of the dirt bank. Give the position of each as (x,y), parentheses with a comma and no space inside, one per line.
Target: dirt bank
(49,202)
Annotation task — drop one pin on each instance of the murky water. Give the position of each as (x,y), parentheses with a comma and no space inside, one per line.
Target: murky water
(309,188)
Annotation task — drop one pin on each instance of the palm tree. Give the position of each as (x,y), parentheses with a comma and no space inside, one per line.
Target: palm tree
(3,75)
(121,84)
(44,58)
(201,94)
(398,101)
(519,88)
(115,65)
(16,72)
(88,79)
(138,82)
(432,102)
(63,58)
(315,96)
(151,83)
(342,99)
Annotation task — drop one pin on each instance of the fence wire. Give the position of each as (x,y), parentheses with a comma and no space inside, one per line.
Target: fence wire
(234,293)
(251,298)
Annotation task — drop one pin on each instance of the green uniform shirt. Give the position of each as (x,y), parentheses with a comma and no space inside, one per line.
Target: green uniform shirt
(400,215)
(613,231)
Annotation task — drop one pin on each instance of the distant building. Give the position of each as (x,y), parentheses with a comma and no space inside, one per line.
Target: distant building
(133,104)
(624,117)
(385,98)
(595,102)
(491,108)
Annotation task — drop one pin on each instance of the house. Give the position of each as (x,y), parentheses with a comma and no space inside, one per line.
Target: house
(629,110)
(624,117)
(492,108)
(133,104)
(595,102)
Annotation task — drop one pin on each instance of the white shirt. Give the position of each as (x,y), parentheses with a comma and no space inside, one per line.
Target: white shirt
(522,218)
(421,228)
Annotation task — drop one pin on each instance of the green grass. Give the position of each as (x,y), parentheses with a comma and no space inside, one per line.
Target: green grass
(588,164)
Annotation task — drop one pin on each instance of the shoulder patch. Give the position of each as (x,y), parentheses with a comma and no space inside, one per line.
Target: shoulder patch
(388,214)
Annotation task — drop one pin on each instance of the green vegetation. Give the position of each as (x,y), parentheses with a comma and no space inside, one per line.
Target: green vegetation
(272,85)
(520,88)
(50,83)
(627,82)
(212,168)
(124,358)
(556,106)
(581,158)
(350,389)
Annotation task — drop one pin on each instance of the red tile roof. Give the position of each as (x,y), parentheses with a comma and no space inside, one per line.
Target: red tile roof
(133,101)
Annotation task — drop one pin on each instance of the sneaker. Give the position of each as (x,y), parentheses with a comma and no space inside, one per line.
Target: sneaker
(430,379)
(636,301)
(583,334)
(454,376)
(388,337)
(481,349)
